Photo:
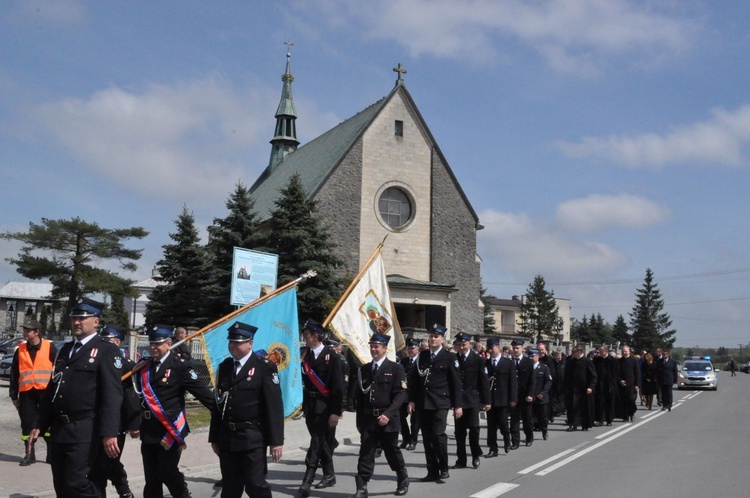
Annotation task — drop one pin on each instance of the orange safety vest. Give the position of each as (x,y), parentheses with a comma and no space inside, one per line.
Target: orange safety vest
(36,374)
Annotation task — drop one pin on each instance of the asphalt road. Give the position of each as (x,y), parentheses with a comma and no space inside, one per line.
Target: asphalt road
(697,449)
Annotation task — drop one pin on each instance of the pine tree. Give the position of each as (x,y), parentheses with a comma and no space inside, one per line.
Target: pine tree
(75,246)
(303,243)
(238,229)
(187,277)
(650,325)
(489,316)
(539,316)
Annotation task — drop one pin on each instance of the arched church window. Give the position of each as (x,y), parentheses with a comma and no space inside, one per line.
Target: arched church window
(395,207)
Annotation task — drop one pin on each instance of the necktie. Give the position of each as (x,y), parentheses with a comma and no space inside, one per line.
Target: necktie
(432,356)
(374,369)
(494,362)
(237,366)
(517,360)
(76,347)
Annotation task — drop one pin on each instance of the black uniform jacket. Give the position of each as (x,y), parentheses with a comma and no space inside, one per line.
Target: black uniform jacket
(408,367)
(130,414)
(524,371)
(474,380)
(84,399)
(607,373)
(630,372)
(580,375)
(327,366)
(542,384)
(503,381)
(252,414)
(435,385)
(383,394)
(174,379)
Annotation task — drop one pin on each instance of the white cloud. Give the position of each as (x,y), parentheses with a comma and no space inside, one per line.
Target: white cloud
(187,141)
(514,244)
(601,212)
(574,36)
(717,141)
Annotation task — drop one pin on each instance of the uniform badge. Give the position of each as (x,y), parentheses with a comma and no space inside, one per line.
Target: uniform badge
(455,363)
(91,360)
(275,378)
(118,362)
(193,375)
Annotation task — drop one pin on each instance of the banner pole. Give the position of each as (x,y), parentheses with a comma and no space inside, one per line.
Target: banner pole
(226,318)
(353,284)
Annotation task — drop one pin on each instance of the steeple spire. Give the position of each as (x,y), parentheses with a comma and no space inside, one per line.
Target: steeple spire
(284,139)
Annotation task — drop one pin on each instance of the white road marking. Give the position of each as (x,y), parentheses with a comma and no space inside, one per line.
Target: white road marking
(529,470)
(495,490)
(613,430)
(595,446)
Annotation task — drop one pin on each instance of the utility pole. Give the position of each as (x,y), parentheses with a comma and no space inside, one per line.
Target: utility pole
(741,354)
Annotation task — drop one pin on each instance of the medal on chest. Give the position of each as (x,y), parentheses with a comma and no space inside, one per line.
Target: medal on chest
(92,355)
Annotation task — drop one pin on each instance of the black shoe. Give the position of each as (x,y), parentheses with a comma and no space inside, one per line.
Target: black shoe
(585,429)
(491,454)
(459,465)
(598,424)
(529,442)
(326,482)
(663,408)
(404,445)
(475,462)
(514,447)
(444,474)
(544,435)
(506,448)
(27,460)
(572,428)
(411,447)
(219,483)
(430,478)
(669,409)
(609,424)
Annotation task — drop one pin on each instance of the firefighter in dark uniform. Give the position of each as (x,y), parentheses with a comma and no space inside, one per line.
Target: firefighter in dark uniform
(112,469)
(540,393)
(504,394)
(523,411)
(409,431)
(476,397)
(435,387)
(323,387)
(250,416)
(30,373)
(382,390)
(162,383)
(81,405)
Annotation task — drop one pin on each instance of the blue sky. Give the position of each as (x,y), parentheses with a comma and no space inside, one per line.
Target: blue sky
(594,138)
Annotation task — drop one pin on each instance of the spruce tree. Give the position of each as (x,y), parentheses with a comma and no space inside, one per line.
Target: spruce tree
(649,323)
(620,331)
(303,243)
(187,277)
(539,317)
(238,229)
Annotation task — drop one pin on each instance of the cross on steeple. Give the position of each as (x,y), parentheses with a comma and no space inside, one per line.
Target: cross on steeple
(289,45)
(401,71)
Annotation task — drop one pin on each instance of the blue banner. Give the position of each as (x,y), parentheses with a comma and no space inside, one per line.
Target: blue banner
(277,340)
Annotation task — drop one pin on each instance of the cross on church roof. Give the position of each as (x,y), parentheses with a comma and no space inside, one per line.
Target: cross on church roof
(401,71)
(289,45)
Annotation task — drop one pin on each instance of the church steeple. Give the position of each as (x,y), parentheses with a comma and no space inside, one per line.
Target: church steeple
(284,139)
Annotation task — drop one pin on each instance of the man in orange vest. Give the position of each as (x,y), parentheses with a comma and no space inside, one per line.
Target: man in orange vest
(29,375)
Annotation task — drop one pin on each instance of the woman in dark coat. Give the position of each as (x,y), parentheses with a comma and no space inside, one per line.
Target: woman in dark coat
(649,385)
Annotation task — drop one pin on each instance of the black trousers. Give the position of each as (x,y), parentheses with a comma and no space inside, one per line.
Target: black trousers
(369,442)
(409,431)
(244,471)
(160,467)
(28,409)
(497,418)
(435,440)
(521,412)
(71,464)
(541,415)
(468,423)
(666,395)
(111,469)
(322,439)
(606,405)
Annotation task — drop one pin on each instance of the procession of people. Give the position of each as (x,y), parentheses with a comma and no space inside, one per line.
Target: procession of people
(516,387)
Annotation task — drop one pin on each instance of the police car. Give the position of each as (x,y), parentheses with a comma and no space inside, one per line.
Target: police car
(697,372)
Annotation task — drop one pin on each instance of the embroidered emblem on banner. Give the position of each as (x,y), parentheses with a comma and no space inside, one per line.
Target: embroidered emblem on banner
(377,315)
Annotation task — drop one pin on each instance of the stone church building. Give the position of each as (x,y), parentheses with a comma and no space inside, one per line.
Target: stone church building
(381,172)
